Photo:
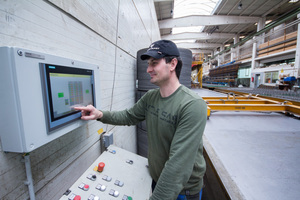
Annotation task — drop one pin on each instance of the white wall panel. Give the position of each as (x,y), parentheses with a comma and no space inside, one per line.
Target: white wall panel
(100,16)
(148,19)
(130,27)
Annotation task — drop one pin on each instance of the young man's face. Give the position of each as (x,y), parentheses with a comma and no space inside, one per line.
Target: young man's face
(159,71)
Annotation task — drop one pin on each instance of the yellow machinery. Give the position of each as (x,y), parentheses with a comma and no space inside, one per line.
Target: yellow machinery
(198,65)
(249,103)
(198,76)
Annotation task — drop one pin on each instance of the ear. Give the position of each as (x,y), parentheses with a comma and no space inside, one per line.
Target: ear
(173,64)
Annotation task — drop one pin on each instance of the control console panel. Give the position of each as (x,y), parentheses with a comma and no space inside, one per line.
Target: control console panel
(116,174)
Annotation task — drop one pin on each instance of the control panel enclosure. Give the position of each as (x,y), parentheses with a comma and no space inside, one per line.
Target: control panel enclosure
(125,176)
(24,119)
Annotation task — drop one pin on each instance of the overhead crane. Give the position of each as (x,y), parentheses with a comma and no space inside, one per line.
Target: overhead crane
(248,102)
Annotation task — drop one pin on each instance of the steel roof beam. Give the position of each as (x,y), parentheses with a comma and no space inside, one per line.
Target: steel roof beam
(201,51)
(197,36)
(198,45)
(157,1)
(206,20)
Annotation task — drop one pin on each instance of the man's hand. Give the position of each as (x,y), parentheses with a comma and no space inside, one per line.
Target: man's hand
(89,112)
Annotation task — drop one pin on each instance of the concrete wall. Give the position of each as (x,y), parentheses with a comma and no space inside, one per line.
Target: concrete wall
(107,33)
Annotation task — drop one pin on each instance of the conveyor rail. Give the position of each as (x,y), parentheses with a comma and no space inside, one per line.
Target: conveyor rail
(296,103)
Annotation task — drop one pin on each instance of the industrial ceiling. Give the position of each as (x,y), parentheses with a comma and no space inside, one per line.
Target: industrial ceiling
(227,19)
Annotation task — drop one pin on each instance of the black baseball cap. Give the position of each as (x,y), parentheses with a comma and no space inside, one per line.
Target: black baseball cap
(160,49)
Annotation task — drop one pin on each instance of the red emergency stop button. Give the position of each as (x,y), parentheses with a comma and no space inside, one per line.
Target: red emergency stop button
(101,166)
(77,197)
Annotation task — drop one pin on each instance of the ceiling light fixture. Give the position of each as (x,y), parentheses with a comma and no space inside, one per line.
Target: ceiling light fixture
(240,6)
(268,21)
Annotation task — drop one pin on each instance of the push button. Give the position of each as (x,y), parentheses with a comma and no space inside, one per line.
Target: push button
(119,183)
(81,186)
(114,193)
(77,197)
(84,187)
(72,196)
(101,187)
(91,197)
(129,161)
(125,197)
(112,151)
(101,166)
(92,177)
(107,178)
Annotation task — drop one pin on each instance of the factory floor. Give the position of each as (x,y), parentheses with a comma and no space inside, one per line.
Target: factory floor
(253,155)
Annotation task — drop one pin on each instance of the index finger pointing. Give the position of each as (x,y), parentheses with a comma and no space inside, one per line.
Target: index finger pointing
(81,108)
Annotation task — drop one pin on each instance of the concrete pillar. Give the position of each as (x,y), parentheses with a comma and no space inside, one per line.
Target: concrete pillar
(297,55)
(234,51)
(253,62)
(232,54)
(221,56)
(218,57)
(237,49)
(260,25)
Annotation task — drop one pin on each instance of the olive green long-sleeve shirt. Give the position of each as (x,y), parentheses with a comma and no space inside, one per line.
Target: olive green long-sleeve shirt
(175,126)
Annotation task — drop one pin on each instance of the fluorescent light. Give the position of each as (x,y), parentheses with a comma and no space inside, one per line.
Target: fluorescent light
(267,22)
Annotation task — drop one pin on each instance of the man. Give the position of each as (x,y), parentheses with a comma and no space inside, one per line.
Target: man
(175,118)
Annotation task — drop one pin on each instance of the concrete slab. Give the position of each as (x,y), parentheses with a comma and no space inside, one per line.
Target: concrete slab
(257,155)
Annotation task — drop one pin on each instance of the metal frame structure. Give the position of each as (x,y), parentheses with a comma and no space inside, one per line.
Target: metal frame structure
(247,102)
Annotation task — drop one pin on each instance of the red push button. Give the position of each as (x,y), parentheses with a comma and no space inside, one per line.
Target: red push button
(77,197)
(100,166)
(86,187)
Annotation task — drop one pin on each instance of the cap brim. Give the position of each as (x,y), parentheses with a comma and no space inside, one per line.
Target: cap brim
(153,54)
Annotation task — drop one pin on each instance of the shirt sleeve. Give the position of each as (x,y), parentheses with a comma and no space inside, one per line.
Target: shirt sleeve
(125,117)
(184,148)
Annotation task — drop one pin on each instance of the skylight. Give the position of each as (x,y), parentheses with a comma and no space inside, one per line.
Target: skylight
(183,8)
(193,7)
